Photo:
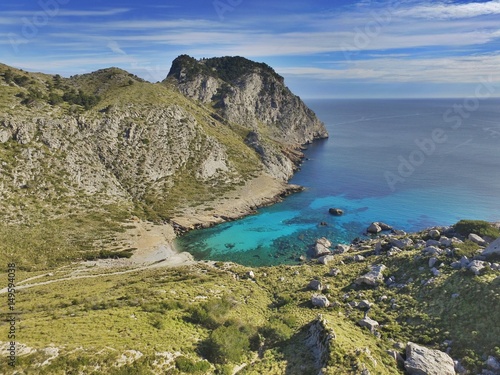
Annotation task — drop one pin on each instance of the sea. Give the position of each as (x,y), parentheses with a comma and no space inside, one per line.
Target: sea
(410,163)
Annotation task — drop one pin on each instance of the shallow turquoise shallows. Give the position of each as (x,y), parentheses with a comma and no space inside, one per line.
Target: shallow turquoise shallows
(409,163)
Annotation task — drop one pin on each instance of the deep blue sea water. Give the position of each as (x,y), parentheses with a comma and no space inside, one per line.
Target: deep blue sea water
(410,163)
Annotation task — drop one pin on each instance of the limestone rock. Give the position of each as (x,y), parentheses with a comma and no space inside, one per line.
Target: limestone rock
(402,243)
(315,285)
(342,248)
(372,278)
(434,233)
(368,323)
(325,259)
(476,239)
(334,272)
(321,247)
(476,266)
(319,300)
(424,361)
(374,228)
(492,249)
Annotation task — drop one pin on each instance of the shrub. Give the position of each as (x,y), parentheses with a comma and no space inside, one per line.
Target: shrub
(191,367)
(479,227)
(226,344)
(211,313)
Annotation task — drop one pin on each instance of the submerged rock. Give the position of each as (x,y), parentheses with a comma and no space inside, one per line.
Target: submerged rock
(336,211)
(424,361)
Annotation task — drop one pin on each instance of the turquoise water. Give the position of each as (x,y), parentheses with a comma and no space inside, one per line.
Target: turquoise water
(449,169)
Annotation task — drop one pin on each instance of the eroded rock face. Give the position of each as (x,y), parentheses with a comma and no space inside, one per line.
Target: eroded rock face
(251,94)
(423,361)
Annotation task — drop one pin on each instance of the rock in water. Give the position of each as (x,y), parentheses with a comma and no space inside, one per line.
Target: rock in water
(374,228)
(336,211)
(493,248)
(424,361)
(372,278)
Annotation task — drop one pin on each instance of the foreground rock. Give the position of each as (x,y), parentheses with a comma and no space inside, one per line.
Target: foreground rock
(321,248)
(320,300)
(372,278)
(492,249)
(424,361)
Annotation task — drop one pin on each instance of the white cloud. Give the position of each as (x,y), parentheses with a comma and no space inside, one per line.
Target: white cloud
(451,11)
(439,70)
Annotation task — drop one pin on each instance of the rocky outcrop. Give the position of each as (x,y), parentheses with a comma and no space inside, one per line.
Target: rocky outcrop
(492,249)
(147,145)
(372,278)
(251,95)
(320,341)
(424,361)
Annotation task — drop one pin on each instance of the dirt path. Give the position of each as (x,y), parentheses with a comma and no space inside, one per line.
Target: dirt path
(154,248)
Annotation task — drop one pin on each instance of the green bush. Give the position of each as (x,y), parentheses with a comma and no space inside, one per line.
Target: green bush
(211,313)
(226,344)
(191,367)
(479,227)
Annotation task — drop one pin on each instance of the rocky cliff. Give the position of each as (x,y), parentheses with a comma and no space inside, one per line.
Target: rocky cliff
(109,137)
(254,96)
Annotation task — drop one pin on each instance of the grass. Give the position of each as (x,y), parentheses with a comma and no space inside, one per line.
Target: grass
(181,310)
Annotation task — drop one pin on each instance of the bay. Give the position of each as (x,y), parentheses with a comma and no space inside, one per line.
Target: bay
(412,163)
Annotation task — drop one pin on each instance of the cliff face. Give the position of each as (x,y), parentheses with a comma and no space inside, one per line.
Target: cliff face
(110,137)
(254,96)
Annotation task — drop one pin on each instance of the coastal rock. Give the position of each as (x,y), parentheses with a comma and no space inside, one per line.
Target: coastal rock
(334,272)
(374,277)
(325,259)
(336,211)
(369,323)
(432,243)
(315,285)
(432,250)
(341,248)
(424,361)
(374,228)
(319,300)
(476,266)
(321,247)
(434,234)
(476,239)
(492,249)
(402,243)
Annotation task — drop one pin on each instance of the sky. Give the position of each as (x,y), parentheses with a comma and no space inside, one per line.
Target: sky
(324,49)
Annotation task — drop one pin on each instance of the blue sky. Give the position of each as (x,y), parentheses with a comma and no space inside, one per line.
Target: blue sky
(363,48)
